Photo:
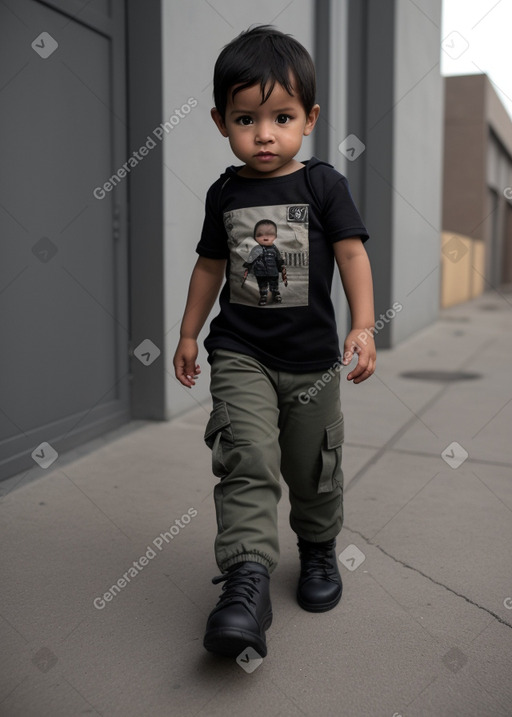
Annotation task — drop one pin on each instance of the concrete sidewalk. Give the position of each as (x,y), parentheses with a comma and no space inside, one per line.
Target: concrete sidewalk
(425,623)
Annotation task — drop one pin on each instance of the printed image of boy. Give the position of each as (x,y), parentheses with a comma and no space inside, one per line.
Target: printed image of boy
(262,361)
(265,262)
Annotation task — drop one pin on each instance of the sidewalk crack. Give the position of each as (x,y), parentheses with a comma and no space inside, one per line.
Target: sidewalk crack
(428,577)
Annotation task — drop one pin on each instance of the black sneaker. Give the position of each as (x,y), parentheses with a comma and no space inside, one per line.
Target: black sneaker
(243,612)
(263,300)
(320,585)
(277,297)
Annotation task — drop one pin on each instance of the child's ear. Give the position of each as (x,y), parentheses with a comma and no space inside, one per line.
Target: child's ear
(311,119)
(217,118)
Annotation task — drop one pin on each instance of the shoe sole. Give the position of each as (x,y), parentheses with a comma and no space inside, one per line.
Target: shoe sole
(230,642)
(318,607)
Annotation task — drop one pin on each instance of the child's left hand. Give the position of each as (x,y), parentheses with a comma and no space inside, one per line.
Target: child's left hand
(360,342)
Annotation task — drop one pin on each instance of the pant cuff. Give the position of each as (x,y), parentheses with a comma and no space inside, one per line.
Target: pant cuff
(242,557)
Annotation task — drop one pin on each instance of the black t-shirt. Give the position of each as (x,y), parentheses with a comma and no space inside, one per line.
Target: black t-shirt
(303,213)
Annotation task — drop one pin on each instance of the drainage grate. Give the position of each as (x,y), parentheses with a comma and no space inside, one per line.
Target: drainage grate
(441,376)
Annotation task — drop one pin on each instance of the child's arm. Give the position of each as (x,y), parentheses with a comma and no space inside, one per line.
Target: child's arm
(356,277)
(204,288)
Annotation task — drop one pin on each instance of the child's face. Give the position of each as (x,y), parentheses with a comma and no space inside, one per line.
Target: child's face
(265,234)
(266,137)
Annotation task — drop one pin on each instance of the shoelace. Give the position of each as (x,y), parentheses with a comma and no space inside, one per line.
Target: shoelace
(238,584)
(318,563)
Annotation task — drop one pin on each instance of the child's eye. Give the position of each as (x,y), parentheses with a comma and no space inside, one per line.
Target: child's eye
(244,120)
(283,119)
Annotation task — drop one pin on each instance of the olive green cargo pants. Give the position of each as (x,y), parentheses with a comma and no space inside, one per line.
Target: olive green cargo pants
(264,423)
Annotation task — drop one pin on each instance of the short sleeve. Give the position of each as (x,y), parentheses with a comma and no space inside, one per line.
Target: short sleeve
(340,217)
(214,241)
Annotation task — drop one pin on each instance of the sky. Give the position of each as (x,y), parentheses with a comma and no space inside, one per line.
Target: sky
(476,38)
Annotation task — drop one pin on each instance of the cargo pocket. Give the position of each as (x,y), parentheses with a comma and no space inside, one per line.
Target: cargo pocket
(331,475)
(218,436)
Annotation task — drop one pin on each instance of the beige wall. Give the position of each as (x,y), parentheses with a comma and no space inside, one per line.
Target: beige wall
(462,268)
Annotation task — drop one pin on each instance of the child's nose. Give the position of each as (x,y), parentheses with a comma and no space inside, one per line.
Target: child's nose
(264,132)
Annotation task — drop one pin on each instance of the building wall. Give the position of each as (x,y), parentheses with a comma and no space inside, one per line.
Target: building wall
(370,100)
(499,185)
(507,257)
(417,166)
(336,127)
(395,107)
(195,154)
(462,268)
(477,202)
(464,155)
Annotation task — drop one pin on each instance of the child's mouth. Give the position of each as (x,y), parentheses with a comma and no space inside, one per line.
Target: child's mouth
(265,155)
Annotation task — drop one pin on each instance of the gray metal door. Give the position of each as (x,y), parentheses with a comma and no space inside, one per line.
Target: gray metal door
(64,369)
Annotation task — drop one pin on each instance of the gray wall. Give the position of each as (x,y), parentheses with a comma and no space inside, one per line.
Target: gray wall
(395,107)
(147,282)
(195,154)
(336,121)
(417,166)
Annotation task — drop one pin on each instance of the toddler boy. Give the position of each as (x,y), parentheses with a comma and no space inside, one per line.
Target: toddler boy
(266,262)
(264,358)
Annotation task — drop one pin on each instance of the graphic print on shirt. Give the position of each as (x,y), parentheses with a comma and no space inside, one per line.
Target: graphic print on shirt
(269,255)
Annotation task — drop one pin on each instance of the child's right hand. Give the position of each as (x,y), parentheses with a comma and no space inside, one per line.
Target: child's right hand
(185,367)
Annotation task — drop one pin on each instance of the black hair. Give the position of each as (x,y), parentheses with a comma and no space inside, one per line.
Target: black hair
(263,55)
(264,221)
